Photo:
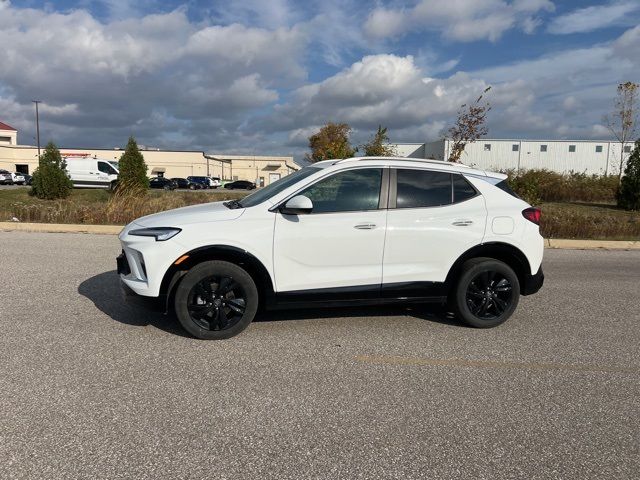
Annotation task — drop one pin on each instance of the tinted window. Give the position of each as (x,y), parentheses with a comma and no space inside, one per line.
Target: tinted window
(277,187)
(422,188)
(353,190)
(504,186)
(462,189)
(106,168)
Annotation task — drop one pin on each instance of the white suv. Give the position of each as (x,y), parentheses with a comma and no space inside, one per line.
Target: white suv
(341,232)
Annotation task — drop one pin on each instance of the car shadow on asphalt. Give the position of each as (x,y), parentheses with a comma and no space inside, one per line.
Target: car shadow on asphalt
(105,293)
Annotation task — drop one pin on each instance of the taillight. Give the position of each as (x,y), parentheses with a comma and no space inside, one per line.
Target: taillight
(532,214)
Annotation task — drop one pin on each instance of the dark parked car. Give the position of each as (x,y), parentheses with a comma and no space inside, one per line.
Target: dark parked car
(240,185)
(184,183)
(204,181)
(161,182)
(6,178)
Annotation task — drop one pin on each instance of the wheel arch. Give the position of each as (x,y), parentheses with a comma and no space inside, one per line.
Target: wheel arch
(238,256)
(504,252)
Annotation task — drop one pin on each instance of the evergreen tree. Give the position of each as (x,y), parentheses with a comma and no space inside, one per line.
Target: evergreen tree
(629,192)
(133,171)
(50,180)
(379,146)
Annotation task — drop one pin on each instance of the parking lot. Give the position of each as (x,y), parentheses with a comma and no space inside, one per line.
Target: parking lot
(92,388)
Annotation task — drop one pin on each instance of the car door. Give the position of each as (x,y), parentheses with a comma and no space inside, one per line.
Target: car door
(433,218)
(340,243)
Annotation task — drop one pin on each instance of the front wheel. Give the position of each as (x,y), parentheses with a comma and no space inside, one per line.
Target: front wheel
(216,300)
(486,293)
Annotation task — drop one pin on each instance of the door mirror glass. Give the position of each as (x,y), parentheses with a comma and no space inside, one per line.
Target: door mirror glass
(297,205)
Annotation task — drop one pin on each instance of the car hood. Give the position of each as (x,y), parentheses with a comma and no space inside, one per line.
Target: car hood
(206,212)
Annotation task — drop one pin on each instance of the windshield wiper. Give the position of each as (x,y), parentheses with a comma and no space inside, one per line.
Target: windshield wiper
(233,204)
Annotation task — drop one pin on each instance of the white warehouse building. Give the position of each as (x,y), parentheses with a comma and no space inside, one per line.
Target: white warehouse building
(600,157)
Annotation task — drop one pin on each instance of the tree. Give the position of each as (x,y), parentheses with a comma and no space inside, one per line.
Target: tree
(622,121)
(332,141)
(470,126)
(133,171)
(379,146)
(50,180)
(628,195)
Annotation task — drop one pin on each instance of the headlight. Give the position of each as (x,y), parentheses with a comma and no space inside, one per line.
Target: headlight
(159,233)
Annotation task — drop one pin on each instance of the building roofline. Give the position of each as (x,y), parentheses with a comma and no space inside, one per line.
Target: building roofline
(7,127)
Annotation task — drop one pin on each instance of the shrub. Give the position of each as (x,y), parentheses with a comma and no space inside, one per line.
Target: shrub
(537,186)
(629,193)
(132,179)
(50,180)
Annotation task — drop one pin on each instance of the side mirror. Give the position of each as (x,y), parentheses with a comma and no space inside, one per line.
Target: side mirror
(298,205)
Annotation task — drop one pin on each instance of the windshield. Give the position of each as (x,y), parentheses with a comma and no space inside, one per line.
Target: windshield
(277,187)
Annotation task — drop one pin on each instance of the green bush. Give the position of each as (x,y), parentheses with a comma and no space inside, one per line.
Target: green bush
(629,192)
(132,179)
(50,180)
(536,186)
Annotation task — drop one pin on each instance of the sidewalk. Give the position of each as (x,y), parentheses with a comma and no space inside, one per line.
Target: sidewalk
(115,229)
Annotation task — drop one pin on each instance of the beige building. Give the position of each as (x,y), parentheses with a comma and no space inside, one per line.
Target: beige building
(262,170)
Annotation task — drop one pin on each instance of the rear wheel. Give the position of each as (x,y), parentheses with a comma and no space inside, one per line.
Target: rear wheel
(216,300)
(486,293)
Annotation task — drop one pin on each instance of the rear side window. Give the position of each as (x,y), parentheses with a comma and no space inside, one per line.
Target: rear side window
(504,186)
(422,188)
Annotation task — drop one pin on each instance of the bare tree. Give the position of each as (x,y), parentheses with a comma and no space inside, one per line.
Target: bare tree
(622,120)
(470,125)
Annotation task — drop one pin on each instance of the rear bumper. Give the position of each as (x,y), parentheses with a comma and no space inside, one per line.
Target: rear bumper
(532,283)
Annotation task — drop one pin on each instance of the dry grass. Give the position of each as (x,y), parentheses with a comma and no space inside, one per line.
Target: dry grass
(99,207)
(589,221)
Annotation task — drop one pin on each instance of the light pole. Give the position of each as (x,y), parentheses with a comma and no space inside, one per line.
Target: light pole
(37,125)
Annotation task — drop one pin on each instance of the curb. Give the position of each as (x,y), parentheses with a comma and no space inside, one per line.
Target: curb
(60,228)
(566,244)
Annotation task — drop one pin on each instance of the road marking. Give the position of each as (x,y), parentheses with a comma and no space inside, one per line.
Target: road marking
(435,362)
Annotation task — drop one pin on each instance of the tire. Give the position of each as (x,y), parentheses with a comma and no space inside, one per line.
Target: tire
(486,293)
(207,301)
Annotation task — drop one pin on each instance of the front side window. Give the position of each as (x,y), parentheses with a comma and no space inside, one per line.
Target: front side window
(106,168)
(277,187)
(353,190)
(423,188)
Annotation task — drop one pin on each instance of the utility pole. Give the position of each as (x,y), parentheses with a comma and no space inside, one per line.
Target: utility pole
(37,125)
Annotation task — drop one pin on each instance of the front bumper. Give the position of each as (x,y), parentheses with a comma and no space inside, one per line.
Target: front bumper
(532,283)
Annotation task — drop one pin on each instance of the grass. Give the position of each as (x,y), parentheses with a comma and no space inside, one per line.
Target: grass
(99,207)
(599,221)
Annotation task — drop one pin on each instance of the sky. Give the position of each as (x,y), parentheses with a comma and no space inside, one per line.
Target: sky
(260,76)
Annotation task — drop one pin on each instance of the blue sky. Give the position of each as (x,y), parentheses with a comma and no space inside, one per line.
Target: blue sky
(255,76)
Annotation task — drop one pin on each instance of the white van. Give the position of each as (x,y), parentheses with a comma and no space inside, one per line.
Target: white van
(92,172)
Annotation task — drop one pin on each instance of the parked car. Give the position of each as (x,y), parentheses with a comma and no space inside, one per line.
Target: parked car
(6,177)
(204,181)
(240,185)
(214,182)
(27,178)
(18,178)
(341,232)
(184,183)
(163,183)
(92,173)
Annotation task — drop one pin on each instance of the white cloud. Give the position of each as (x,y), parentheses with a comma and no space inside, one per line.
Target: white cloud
(596,17)
(459,20)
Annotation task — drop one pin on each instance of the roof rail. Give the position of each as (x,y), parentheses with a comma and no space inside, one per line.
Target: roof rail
(405,159)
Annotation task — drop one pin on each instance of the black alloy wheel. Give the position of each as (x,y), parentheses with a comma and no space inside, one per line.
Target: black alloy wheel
(216,303)
(216,300)
(486,294)
(489,295)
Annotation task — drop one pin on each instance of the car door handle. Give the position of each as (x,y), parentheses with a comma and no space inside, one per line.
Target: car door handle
(365,226)
(462,223)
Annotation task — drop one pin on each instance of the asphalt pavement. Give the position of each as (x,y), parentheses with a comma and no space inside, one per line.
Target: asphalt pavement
(92,388)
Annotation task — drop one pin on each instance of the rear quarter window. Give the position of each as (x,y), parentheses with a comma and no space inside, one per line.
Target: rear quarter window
(505,187)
